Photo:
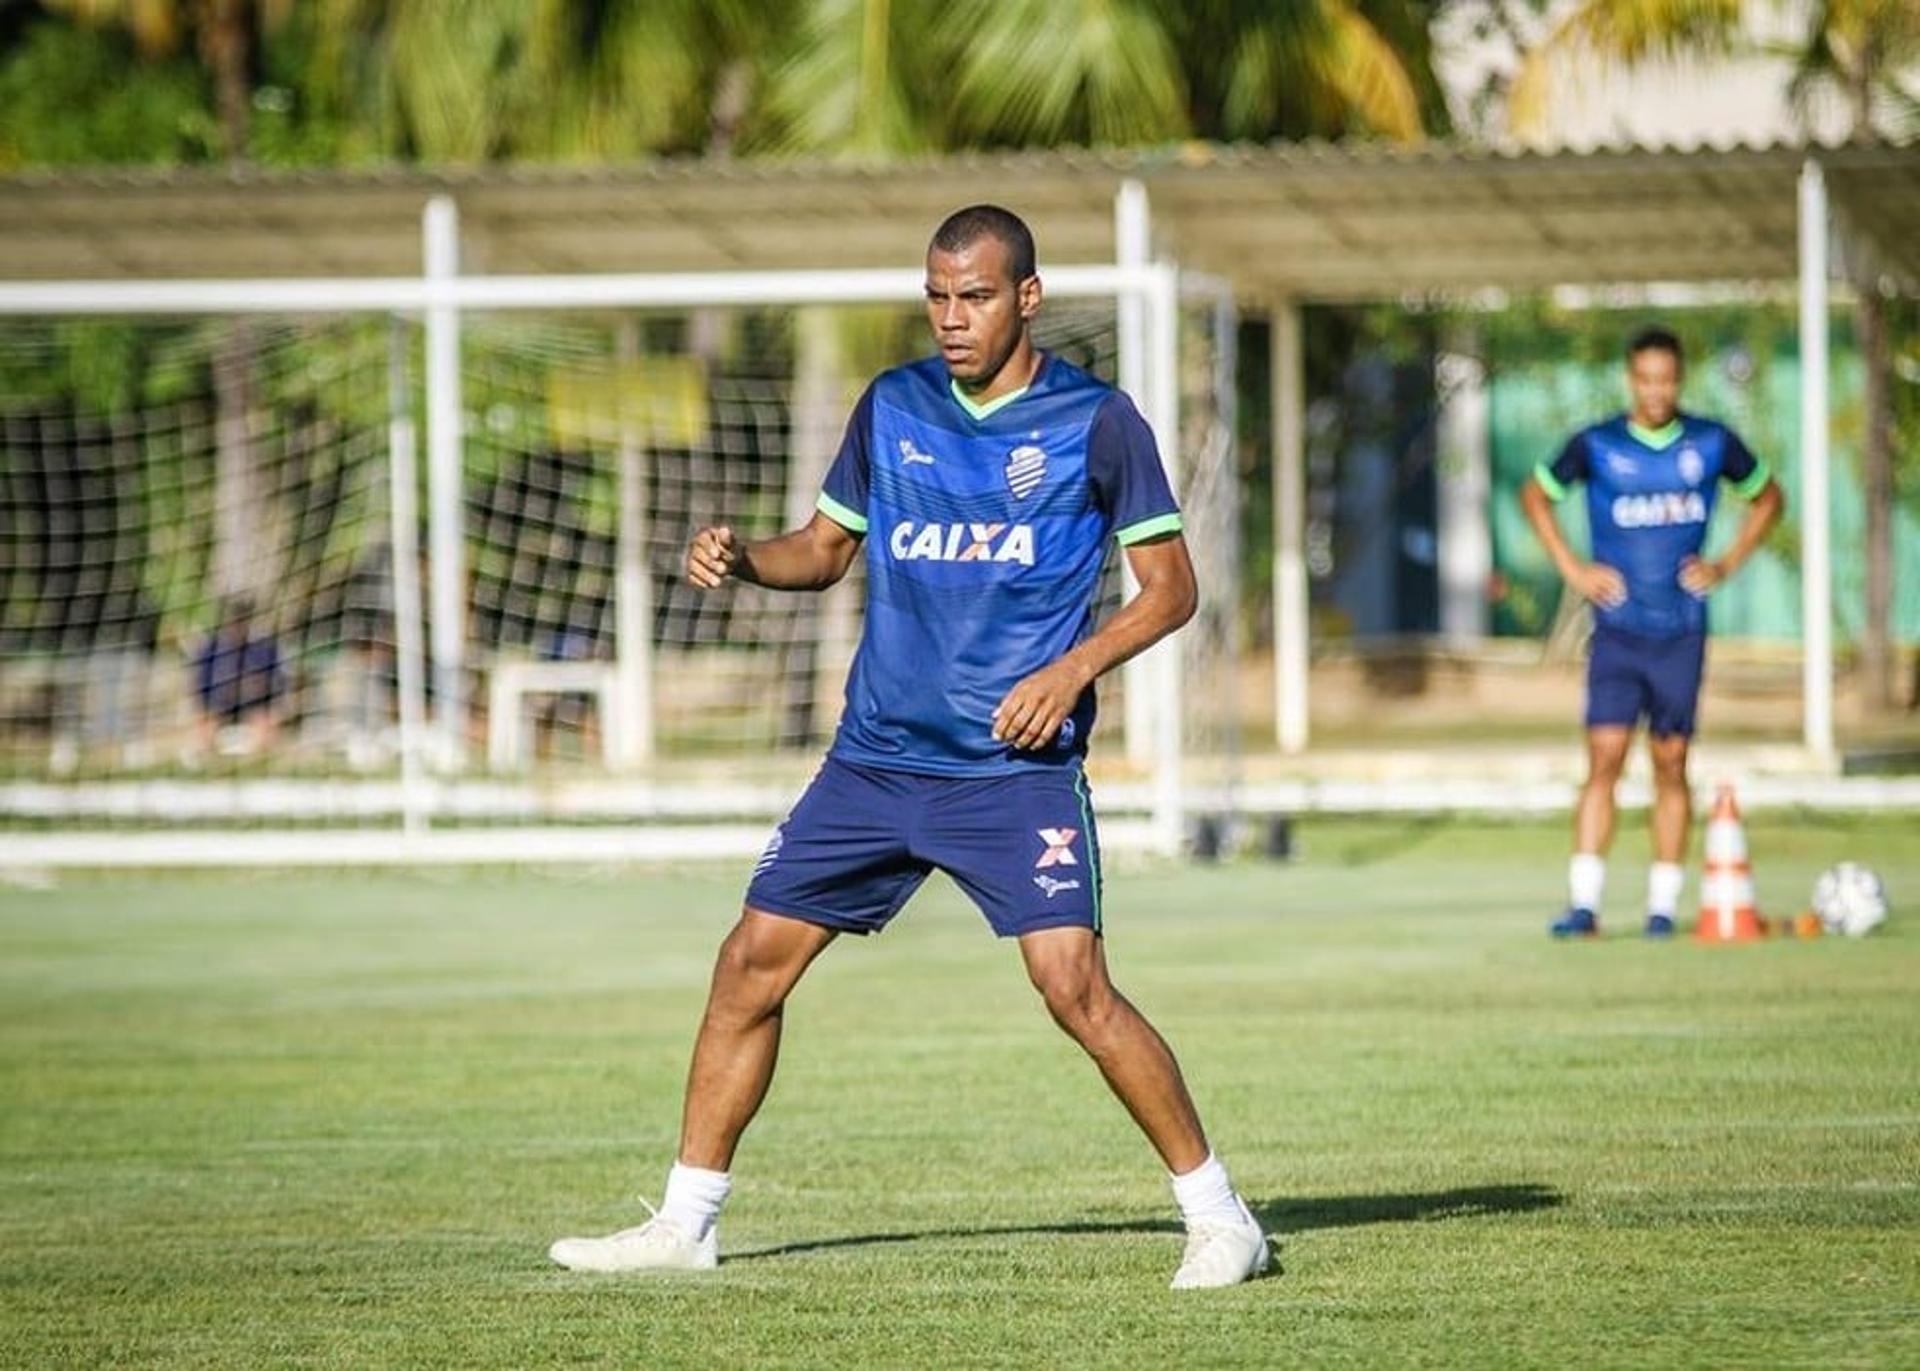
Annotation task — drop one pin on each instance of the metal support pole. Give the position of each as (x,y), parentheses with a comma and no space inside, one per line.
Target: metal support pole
(1132,234)
(1229,562)
(1816,570)
(633,605)
(1288,381)
(409,638)
(1165,659)
(1465,491)
(823,627)
(1132,250)
(440,230)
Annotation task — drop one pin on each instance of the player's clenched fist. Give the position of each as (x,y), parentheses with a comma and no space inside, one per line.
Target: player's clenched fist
(711,556)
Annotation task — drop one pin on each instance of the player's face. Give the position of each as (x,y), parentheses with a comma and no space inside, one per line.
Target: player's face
(979,313)
(1653,376)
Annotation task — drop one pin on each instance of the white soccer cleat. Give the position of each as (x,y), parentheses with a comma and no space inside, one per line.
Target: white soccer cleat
(659,1244)
(1222,1254)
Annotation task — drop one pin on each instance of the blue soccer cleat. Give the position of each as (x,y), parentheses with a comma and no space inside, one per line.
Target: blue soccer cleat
(1575,923)
(1659,926)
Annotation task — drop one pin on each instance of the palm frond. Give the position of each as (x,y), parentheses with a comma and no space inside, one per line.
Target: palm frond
(1816,67)
(1903,110)
(1370,76)
(811,103)
(1274,56)
(1859,51)
(1041,71)
(1326,59)
(455,77)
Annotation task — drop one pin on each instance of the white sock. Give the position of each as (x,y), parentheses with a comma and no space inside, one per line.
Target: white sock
(1205,1195)
(694,1197)
(1665,881)
(1586,880)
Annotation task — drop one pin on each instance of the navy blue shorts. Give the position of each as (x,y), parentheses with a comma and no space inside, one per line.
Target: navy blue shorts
(862,839)
(1630,677)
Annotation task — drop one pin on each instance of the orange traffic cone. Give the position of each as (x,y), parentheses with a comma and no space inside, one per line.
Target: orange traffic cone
(1727,913)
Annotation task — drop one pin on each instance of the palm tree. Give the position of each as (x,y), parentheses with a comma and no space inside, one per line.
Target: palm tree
(1860,50)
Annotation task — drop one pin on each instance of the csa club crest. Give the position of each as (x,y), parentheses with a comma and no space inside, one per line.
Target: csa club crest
(1026,469)
(1692,467)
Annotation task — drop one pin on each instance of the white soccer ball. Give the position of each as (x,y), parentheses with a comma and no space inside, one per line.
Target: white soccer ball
(1850,899)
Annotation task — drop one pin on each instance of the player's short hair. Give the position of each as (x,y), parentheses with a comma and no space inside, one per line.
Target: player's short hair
(1656,339)
(965,227)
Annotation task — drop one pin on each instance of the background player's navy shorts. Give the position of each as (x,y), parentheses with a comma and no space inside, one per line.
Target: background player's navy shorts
(862,839)
(1629,676)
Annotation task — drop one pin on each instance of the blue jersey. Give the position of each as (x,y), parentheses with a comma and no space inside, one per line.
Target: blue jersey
(1650,497)
(986,531)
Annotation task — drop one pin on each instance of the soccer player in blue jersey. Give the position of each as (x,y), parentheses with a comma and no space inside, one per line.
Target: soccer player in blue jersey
(982,486)
(1652,476)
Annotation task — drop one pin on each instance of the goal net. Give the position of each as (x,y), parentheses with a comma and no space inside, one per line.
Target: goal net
(208,572)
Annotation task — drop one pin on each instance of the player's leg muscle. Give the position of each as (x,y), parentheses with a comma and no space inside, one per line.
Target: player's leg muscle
(1607,753)
(733,1059)
(759,964)
(1672,800)
(1593,817)
(1068,966)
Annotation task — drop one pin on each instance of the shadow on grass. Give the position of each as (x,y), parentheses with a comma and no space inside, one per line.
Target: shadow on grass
(1357,1211)
(1278,1217)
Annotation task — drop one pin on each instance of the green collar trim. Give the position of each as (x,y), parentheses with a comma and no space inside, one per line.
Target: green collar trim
(991,407)
(1657,438)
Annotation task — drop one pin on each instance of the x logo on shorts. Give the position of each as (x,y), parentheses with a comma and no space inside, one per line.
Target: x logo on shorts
(1059,851)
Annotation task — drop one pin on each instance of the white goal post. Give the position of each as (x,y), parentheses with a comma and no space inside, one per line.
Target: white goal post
(429,803)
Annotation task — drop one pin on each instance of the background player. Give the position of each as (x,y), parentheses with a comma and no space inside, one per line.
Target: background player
(1652,476)
(985,483)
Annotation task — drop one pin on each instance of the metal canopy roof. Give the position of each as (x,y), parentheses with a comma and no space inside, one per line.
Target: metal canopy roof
(1315,222)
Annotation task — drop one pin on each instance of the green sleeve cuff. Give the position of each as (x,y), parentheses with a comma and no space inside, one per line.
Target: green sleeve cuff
(841,515)
(1755,482)
(1148,528)
(1549,483)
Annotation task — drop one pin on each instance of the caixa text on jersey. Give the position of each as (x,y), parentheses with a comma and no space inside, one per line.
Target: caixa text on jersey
(911,542)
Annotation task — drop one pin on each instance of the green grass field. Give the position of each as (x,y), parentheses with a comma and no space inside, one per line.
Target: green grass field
(335,1120)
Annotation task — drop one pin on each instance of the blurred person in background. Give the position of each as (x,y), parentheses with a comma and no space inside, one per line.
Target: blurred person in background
(1652,476)
(239,682)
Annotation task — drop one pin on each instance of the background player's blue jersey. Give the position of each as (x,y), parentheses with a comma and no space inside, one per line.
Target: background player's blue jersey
(1649,500)
(986,531)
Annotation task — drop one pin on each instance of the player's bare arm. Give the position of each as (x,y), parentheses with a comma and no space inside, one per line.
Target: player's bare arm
(1032,712)
(809,558)
(1594,580)
(1702,575)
